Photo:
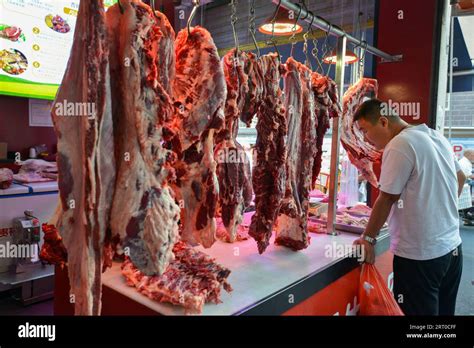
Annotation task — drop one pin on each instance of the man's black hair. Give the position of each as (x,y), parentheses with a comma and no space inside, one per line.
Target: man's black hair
(371,110)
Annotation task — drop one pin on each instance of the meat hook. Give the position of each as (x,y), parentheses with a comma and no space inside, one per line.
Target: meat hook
(191,16)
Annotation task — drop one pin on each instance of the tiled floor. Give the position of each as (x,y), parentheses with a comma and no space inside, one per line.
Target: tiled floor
(464,306)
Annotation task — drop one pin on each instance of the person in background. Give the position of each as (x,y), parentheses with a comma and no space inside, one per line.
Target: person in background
(465,200)
(419,185)
(466,163)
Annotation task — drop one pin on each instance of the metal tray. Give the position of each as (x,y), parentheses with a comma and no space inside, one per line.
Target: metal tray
(341,227)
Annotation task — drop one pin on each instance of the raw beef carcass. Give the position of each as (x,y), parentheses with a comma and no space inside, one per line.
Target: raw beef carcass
(255,80)
(191,280)
(269,174)
(233,165)
(86,167)
(199,92)
(144,212)
(326,107)
(6,178)
(361,153)
(301,149)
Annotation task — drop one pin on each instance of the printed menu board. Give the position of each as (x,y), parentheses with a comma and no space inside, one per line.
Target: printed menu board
(35,41)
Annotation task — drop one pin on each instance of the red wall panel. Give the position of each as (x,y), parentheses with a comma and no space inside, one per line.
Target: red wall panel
(414,78)
(15,129)
(412,36)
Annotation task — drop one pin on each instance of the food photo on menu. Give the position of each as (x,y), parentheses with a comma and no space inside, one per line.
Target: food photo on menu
(171,160)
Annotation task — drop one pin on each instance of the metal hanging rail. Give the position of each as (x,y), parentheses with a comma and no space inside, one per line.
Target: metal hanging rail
(323,24)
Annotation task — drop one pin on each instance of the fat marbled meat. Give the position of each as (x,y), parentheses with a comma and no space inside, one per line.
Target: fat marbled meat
(269,173)
(144,212)
(199,92)
(291,229)
(86,169)
(361,154)
(233,165)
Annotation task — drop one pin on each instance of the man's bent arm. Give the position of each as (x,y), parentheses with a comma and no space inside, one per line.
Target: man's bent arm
(461,180)
(380,213)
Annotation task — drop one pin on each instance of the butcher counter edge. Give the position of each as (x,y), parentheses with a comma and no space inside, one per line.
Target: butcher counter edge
(278,303)
(119,299)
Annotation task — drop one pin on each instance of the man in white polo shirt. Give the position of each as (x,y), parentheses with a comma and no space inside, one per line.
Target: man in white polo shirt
(420,182)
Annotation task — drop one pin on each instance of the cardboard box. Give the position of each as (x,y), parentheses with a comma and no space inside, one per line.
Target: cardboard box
(3,150)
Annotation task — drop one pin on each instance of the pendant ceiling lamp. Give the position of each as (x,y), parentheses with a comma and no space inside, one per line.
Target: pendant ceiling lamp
(350,57)
(283,22)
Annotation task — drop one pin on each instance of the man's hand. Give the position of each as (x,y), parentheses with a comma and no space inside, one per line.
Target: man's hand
(379,215)
(368,250)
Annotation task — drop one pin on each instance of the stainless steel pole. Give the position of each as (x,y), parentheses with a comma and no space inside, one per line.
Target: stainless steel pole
(334,30)
(451,77)
(336,134)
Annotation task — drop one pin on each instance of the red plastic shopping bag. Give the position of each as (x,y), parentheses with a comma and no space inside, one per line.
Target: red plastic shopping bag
(375,297)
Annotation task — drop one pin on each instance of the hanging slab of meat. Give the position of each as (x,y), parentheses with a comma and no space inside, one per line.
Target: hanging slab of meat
(255,80)
(191,280)
(144,212)
(200,92)
(326,106)
(292,228)
(360,153)
(233,165)
(86,169)
(53,250)
(269,174)
(199,86)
